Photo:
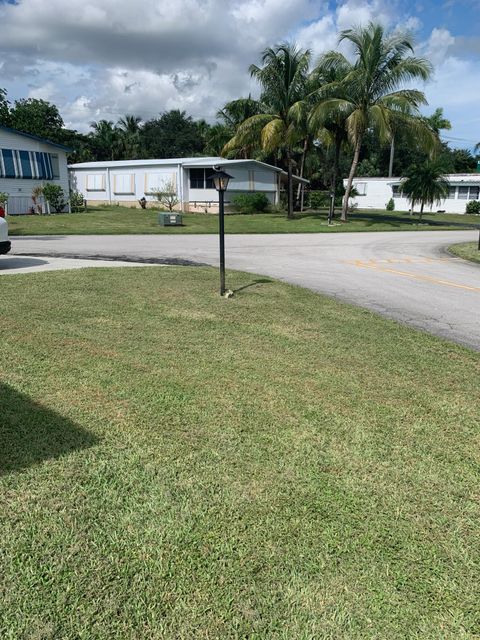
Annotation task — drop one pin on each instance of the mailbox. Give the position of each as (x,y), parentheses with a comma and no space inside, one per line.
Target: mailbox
(170,219)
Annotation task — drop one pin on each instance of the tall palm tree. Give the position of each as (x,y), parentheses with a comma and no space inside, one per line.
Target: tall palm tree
(370,96)
(129,128)
(283,78)
(425,185)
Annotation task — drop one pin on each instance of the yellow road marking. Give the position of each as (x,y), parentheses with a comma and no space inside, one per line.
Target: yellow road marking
(406,260)
(407,274)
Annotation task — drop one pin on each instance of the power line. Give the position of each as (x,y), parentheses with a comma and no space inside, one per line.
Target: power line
(459,139)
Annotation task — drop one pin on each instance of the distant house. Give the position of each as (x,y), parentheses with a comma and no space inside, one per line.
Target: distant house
(27,161)
(374,193)
(127,181)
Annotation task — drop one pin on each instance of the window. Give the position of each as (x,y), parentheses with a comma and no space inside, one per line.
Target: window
(451,193)
(96,182)
(474,192)
(397,191)
(361,188)
(208,181)
(199,179)
(124,184)
(55,165)
(16,163)
(158,181)
(463,193)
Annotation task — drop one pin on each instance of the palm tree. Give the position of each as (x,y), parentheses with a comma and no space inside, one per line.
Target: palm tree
(129,128)
(237,111)
(425,185)
(106,137)
(283,78)
(437,121)
(233,114)
(331,131)
(370,95)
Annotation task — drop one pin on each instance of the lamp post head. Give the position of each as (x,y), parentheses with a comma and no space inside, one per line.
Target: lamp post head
(220,179)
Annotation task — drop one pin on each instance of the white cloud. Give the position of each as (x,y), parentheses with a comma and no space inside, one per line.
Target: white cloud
(440,41)
(104,58)
(319,36)
(358,13)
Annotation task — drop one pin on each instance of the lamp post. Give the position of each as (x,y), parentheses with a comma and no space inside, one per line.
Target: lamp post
(332,205)
(220,180)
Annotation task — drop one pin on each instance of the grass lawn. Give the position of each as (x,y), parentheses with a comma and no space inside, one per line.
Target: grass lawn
(466,250)
(116,220)
(279,465)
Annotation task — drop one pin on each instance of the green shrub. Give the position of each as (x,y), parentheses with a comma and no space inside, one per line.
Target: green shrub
(250,202)
(473,207)
(54,195)
(318,199)
(390,206)
(77,201)
(3,198)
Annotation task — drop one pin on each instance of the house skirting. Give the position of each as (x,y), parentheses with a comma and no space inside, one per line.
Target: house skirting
(188,207)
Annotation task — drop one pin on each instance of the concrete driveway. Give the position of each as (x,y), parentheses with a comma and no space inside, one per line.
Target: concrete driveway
(402,275)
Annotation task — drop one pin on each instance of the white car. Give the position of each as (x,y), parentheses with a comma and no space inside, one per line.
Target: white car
(4,241)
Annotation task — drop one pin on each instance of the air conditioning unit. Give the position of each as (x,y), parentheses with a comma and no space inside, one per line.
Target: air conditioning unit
(170,219)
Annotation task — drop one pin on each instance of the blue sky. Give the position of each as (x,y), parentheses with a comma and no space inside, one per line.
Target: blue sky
(104,58)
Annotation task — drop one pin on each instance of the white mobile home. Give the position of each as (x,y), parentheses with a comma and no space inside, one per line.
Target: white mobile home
(374,193)
(27,161)
(127,181)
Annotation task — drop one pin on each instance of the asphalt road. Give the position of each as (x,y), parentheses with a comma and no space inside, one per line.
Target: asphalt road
(407,276)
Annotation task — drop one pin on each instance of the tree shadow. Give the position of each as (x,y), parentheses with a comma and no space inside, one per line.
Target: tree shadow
(14,262)
(253,284)
(31,433)
(406,220)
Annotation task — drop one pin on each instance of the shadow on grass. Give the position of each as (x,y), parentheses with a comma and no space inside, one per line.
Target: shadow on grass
(30,433)
(406,220)
(253,284)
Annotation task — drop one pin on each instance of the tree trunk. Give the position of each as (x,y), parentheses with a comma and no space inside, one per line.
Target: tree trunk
(392,153)
(336,160)
(290,185)
(302,169)
(351,175)
(421,211)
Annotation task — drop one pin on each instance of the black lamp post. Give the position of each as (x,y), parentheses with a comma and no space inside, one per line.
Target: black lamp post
(220,180)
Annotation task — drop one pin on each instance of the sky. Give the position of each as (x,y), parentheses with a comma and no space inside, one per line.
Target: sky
(104,58)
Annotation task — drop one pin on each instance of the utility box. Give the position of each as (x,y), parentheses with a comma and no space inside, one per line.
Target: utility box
(170,219)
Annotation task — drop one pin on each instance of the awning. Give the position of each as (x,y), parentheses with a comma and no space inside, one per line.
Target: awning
(34,165)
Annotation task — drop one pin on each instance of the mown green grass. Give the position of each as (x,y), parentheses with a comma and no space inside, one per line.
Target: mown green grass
(277,465)
(466,250)
(118,220)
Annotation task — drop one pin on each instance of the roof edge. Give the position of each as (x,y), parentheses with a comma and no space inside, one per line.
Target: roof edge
(34,137)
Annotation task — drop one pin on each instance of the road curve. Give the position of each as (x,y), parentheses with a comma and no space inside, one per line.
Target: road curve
(407,276)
